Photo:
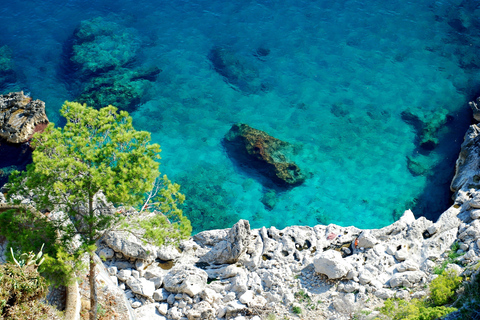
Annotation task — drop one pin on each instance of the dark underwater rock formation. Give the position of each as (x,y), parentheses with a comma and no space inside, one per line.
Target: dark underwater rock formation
(103,54)
(21,117)
(121,87)
(265,153)
(7,73)
(426,126)
(101,45)
(236,70)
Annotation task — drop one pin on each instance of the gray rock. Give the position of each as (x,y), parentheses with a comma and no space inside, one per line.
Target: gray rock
(168,253)
(185,279)
(384,294)
(401,255)
(345,304)
(407,266)
(148,312)
(106,253)
(141,286)
(229,249)
(406,279)
(161,295)
(124,274)
(467,167)
(123,265)
(234,307)
(366,239)
(127,244)
(331,264)
(475,214)
(162,308)
(246,297)
(201,311)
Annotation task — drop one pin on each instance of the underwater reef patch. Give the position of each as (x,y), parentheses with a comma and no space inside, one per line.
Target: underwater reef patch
(237,70)
(104,55)
(268,155)
(7,72)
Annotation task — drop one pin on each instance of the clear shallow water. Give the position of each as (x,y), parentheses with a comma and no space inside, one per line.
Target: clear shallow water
(339,75)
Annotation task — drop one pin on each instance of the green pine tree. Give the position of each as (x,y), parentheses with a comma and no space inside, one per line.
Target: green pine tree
(99,152)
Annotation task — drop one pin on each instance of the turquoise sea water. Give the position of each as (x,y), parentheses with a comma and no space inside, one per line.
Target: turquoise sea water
(337,78)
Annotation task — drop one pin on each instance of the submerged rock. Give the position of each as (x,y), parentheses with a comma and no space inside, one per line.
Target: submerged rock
(427,126)
(265,153)
(236,71)
(123,88)
(21,117)
(7,73)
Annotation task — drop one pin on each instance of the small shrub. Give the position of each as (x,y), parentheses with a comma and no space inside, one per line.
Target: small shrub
(297,310)
(19,289)
(443,287)
(414,309)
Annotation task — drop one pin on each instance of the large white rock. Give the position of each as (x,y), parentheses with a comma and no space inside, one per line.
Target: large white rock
(331,264)
(185,279)
(229,248)
(366,240)
(148,312)
(141,286)
(129,245)
(406,279)
(201,311)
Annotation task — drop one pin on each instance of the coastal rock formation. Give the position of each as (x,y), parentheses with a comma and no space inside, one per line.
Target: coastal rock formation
(426,126)
(346,268)
(236,71)
(329,270)
(21,117)
(263,152)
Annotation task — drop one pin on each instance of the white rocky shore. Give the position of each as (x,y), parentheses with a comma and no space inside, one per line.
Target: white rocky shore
(329,272)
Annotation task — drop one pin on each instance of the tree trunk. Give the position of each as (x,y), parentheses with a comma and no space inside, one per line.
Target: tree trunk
(93,289)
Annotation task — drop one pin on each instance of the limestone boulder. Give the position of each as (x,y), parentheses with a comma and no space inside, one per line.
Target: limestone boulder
(366,240)
(331,264)
(21,117)
(185,279)
(264,153)
(128,245)
(467,168)
(142,286)
(201,311)
(406,279)
(228,249)
(148,312)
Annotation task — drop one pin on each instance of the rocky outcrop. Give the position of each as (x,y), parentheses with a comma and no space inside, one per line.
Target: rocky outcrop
(263,152)
(21,117)
(236,70)
(226,249)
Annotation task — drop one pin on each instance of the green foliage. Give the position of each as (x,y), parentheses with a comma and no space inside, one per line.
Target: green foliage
(20,292)
(296,310)
(271,316)
(97,150)
(27,230)
(443,287)
(469,299)
(451,258)
(397,309)
(96,159)
(442,291)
